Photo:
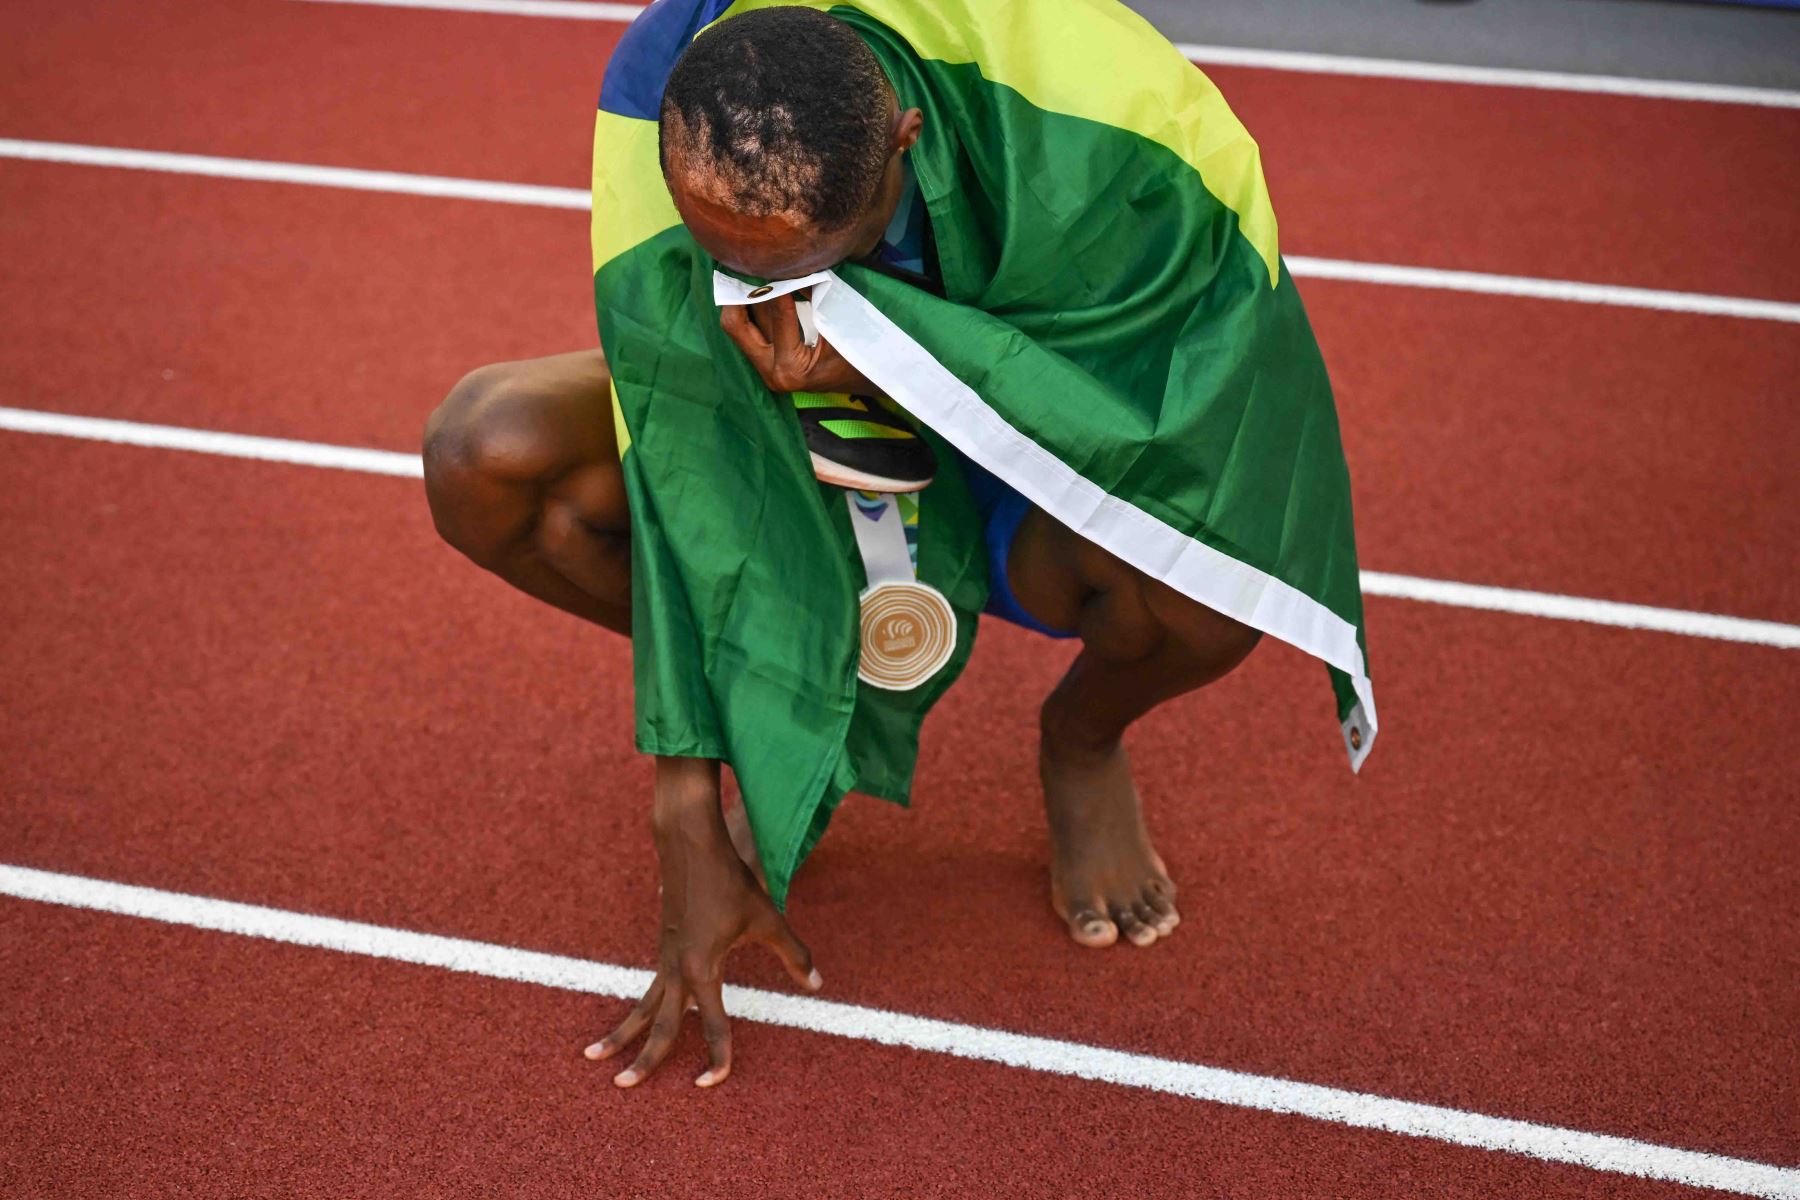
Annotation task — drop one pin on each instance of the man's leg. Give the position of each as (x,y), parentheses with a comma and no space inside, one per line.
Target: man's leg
(1142,643)
(522,473)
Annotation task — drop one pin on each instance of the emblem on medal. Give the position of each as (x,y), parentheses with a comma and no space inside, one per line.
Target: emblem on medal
(908,634)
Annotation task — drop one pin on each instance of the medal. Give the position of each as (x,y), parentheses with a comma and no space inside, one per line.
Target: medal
(908,634)
(908,628)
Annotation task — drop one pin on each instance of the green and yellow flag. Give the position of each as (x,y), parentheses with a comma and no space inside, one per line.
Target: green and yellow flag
(1118,340)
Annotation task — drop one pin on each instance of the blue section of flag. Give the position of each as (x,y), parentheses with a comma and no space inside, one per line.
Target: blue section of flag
(640,67)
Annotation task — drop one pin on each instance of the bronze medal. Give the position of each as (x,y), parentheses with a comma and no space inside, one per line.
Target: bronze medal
(908,634)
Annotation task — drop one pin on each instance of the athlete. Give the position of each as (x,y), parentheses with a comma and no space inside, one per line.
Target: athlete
(785,151)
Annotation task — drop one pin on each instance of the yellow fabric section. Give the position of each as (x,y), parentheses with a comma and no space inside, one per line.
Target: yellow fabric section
(631,202)
(1097,60)
(621,434)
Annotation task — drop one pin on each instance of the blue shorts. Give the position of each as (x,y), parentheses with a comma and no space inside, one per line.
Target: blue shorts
(1001,511)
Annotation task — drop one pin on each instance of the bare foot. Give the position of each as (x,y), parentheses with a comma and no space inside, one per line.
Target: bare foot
(1106,880)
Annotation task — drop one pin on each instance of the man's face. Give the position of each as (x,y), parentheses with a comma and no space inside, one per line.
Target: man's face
(781,246)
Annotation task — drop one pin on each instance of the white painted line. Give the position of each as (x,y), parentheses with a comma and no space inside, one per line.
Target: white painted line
(1382,274)
(1581,608)
(1555,81)
(1375,583)
(1237,1089)
(302,173)
(1565,290)
(205,441)
(1240,56)
(571,10)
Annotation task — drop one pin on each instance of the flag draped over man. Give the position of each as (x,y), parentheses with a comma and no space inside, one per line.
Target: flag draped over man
(1118,340)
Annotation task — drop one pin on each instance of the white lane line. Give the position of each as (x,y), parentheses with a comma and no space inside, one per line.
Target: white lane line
(1302,267)
(1566,290)
(301,173)
(206,441)
(1194,1081)
(1582,608)
(1428,72)
(570,10)
(1240,56)
(1375,583)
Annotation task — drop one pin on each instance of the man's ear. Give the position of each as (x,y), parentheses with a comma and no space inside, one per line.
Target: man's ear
(906,129)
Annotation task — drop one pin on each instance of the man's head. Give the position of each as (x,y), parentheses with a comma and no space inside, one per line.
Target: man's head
(781,142)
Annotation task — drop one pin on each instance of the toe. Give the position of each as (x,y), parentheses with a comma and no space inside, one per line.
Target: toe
(1157,921)
(1162,913)
(1135,931)
(1090,928)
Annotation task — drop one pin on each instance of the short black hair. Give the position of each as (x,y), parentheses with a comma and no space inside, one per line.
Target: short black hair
(788,107)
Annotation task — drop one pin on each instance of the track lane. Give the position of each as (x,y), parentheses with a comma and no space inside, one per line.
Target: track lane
(1624,455)
(1649,193)
(1548,605)
(1532,445)
(439,93)
(292,312)
(1646,913)
(1486,919)
(1641,192)
(303,1072)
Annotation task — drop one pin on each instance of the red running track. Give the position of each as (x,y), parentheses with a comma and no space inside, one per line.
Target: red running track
(343,719)
(1569,448)
(299,1074)
(1665,194)
(1554,895)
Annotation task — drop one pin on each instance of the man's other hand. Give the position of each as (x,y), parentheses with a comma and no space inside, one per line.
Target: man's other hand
(710,902)
(771,339)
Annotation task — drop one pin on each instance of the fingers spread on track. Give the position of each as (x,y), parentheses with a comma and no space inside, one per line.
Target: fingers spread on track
(663,1030)
(630,1027)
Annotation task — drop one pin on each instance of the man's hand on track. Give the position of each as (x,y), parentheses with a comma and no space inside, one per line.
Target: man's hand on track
(710,903)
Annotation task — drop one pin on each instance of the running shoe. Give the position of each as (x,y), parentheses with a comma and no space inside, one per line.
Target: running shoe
(864,443)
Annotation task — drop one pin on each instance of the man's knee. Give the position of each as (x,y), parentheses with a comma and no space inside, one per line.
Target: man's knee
(513,442)
(483,429)
(486,459)
(1216,642)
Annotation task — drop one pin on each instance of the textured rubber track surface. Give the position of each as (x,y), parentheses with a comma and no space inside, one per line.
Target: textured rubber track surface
(303,1074)
(1562,892)
(1492,440)
(1476,178)
(1484,924)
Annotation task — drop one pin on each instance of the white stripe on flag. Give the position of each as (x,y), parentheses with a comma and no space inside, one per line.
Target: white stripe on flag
(905,370)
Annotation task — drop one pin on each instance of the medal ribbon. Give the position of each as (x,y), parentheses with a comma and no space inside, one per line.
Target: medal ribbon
(881,530)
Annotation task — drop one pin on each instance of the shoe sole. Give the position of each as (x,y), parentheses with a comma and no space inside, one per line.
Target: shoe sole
(839,475)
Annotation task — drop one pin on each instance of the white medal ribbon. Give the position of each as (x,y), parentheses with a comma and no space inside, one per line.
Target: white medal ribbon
(882,541)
